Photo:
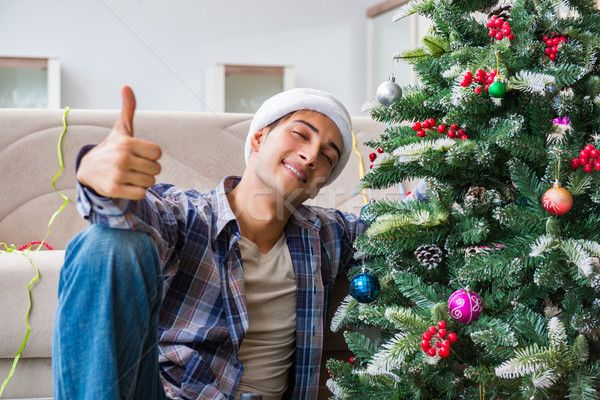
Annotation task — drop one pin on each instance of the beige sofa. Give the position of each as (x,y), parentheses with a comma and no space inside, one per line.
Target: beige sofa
(198,150)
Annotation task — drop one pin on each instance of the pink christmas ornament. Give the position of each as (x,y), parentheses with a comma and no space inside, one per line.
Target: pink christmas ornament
(465,306)
(562,121)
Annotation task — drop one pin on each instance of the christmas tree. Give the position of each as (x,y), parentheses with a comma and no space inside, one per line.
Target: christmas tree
(490,278)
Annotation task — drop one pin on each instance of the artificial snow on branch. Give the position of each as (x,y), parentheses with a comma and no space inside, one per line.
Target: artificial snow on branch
(405,319)
(422,218)
(392,354)
(338,319)
(531,82)
(526,361)
(577,254)
(414,151)
(544,379)
(543,244)
(336,389)
(556,333)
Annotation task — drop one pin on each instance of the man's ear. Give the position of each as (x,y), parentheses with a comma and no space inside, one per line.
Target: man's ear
(257,139)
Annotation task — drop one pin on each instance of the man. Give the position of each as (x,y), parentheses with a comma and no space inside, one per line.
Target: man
(172,294)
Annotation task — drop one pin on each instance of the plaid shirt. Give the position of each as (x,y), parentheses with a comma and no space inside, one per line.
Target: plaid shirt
(203,318)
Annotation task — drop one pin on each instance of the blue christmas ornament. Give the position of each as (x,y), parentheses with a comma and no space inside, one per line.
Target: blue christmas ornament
(365,287)
(366,215)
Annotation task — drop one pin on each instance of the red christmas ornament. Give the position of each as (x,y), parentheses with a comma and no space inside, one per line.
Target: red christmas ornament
(557,200)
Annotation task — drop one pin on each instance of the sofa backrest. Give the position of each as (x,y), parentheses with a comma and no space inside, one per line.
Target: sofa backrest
(199,149)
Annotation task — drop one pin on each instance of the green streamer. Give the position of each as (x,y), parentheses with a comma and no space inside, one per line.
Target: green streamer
(24,343)
(60,163)
(25,253)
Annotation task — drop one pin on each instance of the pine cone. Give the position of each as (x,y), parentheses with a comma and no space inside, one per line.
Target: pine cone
(429,255)
(501,10)
(476,192)
(474,196)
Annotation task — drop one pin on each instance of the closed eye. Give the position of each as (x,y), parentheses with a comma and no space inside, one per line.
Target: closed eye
(329,160)
(300,134)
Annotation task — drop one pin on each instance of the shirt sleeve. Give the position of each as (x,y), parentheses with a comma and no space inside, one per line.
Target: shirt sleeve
(343,229)
(164,212)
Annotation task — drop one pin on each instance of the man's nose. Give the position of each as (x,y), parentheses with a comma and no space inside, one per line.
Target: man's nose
(309,155)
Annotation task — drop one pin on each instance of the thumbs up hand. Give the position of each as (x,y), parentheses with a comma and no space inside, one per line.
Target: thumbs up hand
(121,166)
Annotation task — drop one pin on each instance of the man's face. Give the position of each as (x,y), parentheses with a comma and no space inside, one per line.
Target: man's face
(296,157)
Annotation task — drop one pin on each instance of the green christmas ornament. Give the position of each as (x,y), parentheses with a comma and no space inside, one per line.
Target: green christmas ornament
(497,89)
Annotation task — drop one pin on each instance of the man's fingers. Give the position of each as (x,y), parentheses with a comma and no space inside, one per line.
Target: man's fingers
(138,179)
(145,149)
(145,166)
(124,124)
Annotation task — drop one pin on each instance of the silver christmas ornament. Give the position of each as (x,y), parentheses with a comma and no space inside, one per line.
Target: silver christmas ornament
(389,92)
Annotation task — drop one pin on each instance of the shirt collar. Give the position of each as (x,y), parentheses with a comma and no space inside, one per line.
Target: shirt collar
(224,214)
(303,216)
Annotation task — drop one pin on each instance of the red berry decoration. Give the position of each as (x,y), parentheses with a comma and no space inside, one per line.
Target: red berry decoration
(499,29)
(558,200)
(435,344)
(372,157)
(422,128)
(379,150)
(589,157)
(553,44)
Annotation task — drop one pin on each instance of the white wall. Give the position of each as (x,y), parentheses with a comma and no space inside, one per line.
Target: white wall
(163,48)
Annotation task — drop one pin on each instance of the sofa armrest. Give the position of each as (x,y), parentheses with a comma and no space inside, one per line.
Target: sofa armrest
(17,271)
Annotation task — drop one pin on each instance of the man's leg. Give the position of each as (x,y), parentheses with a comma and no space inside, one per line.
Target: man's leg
(106,323)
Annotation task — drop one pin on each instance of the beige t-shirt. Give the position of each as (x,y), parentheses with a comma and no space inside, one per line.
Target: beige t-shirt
(267,351)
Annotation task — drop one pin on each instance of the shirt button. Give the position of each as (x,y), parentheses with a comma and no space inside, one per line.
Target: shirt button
(237,365)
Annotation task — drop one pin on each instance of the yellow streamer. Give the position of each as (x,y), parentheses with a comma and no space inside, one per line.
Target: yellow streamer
(361,168)
(26,254)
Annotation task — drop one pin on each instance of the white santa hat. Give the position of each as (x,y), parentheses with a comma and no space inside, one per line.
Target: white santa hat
(298,99)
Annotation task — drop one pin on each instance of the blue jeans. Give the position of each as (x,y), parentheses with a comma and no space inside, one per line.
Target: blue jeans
(106,324)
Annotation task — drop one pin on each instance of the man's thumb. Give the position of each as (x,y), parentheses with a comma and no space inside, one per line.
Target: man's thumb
(125,122)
